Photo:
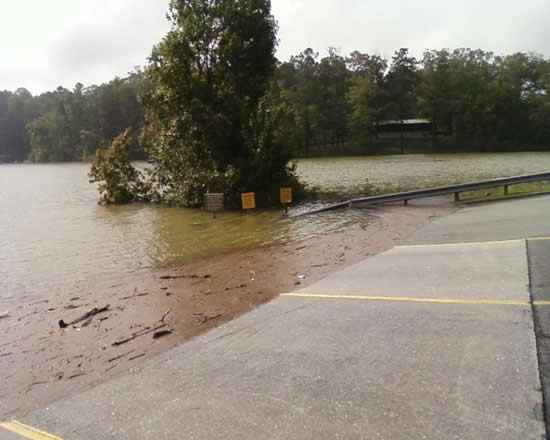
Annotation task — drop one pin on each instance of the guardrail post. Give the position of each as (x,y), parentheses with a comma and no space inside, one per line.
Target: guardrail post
(406,202)
(457,197)
(505,190)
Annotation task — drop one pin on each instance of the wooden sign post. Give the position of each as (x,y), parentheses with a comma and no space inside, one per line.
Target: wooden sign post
(286,198)
(248,200)
(214,202)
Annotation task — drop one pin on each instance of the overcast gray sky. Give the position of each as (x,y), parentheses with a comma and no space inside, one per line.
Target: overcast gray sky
(47,43)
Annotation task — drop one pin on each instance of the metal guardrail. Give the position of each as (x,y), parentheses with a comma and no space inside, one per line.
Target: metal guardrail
(432,192)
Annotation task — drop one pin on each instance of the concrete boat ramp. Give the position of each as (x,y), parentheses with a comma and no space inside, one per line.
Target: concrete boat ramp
(434,339)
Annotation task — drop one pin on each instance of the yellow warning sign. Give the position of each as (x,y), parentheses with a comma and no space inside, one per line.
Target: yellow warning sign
(249,202)
(286,195)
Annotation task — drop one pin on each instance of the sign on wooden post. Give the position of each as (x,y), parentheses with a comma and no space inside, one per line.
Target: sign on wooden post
(214,202)
(286,195)
(248,200)
(286,198)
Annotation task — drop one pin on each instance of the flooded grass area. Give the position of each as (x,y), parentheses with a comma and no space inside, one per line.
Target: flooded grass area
(499,192)
(350,175)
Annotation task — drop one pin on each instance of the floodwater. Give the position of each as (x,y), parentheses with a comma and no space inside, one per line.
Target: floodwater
(53,234)
(349,174)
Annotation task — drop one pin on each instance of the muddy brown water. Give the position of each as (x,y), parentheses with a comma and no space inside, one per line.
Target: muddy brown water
(53,233)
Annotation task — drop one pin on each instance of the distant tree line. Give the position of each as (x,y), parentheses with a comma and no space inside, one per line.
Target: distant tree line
(69,125)
(475,100)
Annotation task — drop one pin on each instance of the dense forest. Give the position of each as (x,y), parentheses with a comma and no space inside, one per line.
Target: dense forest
(474,100)
(69,125)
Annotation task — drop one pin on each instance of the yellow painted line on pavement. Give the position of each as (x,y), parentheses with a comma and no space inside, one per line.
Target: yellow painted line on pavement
(539,238)
(28,431)
(472,243)
(420,300)
(541,303)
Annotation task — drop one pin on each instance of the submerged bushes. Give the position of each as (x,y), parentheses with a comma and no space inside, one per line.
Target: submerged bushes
(119,181)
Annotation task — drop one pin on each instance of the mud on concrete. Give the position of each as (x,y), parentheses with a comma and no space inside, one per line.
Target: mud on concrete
(151,310)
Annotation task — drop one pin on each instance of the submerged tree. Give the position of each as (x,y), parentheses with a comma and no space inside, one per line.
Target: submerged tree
(209,126)
(119,182)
